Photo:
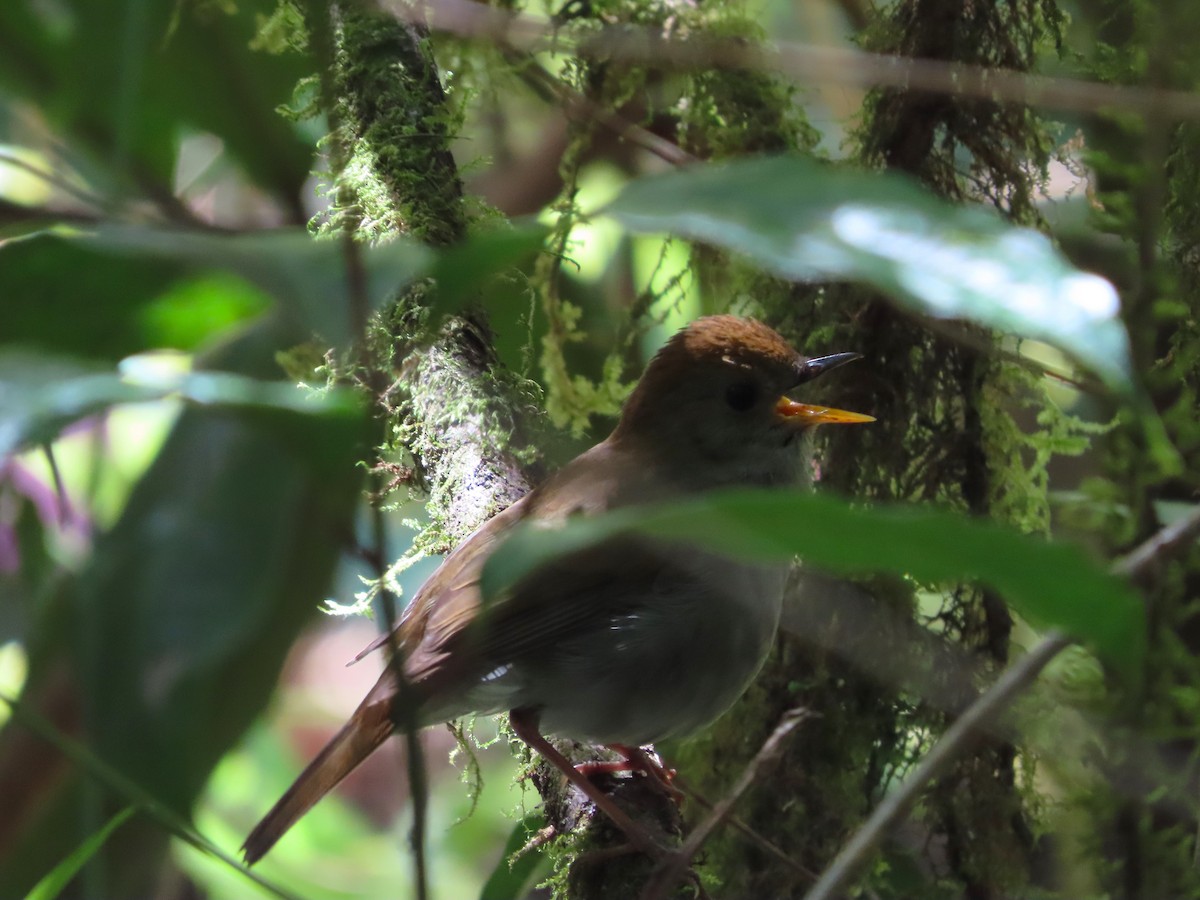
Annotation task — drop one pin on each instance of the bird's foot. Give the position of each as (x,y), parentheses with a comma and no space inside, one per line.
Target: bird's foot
(635,759)
(524,724)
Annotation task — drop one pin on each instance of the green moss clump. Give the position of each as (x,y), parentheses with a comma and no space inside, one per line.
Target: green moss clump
(397,175)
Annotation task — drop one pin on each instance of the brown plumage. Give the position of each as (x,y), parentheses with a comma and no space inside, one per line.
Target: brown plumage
(629,641)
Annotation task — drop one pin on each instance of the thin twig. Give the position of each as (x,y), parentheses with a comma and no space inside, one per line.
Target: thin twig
(1163,543)
(547,86)
(746,831)
(808,62)
(51,178)
(1008,686)
(1015,679)
(19,214)
(60,488)
(359,306)
(672,867)
(404,709)
(975,340)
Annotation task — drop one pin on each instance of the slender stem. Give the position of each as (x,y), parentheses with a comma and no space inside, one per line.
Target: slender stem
(672,867)
(112,779)
(809,62)
(550,88)
(1162,544)
(52,178)
(404,716)
(749,833)
(403,709)
(1011,683)
(60,489)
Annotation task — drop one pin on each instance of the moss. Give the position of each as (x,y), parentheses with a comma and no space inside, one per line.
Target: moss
(734,113)
(456,416)
(283,31)
(1020,480)
(397,175)
(962,147)
(572,399)
(450,411)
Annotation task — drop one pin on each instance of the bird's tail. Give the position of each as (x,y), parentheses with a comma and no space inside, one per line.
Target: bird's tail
(358,739)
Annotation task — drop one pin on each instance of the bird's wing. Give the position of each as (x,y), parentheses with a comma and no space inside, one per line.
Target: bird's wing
(436,622)
(451,585)
(447,636)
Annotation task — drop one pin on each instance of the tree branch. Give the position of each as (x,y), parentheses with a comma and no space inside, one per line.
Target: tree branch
(807,62)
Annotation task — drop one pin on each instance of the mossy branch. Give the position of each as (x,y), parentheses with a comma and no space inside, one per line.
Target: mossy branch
(461,418)
(466,423)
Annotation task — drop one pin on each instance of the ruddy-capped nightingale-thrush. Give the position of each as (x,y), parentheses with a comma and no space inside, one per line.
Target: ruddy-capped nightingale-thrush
(632,640)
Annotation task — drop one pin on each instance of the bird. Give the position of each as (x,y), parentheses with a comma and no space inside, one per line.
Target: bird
(627,642)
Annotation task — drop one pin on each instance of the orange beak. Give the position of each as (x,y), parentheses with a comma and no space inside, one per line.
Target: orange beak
(804,414)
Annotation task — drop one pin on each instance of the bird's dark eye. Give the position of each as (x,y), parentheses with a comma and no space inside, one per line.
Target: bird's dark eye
(741,395)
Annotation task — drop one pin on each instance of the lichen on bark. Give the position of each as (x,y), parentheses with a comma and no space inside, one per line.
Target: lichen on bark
(464,422)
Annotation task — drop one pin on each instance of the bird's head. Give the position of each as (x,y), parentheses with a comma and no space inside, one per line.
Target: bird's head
(715,401)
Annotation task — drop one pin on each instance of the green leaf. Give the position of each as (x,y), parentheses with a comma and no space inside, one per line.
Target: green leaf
(804,220)
(223,553)
(128,790)
(58,878)
(308,278)
(121,290)
(1051,584)
(198,309)
(178,625)
(461,271)
(123,102)
(39,395)
(62,294)
(512,878)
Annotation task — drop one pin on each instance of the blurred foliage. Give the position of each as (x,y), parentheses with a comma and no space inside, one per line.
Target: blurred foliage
(120,106)
(174,507)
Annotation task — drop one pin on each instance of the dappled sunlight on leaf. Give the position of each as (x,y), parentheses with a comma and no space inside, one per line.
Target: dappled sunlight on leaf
(804,220)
